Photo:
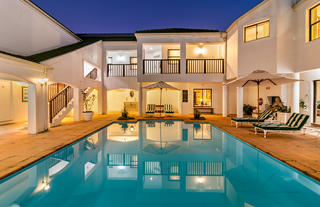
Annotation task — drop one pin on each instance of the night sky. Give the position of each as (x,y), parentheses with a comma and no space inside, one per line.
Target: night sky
(127,16)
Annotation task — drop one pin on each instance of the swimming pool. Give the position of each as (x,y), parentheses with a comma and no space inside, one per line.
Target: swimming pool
(159,163)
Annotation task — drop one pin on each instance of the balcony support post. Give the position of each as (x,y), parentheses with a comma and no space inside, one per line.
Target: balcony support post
(183,56)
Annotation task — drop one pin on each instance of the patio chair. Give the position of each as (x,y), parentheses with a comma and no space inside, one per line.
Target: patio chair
(294,124)
(168,109)
(261,118)
(151,108)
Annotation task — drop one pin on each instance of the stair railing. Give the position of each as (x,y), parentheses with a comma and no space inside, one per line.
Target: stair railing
(59,102)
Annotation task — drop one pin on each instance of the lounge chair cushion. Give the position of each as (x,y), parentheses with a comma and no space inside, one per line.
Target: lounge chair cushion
(261,118)
(295,122)
(244,119)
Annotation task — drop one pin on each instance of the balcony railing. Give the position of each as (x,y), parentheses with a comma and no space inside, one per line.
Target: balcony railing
(121,70)
(205,66)
(161,66)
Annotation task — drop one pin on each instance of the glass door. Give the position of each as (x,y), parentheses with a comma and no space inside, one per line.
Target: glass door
(316,101)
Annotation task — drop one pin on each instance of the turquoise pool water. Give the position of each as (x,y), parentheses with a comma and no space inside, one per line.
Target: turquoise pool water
(159,163)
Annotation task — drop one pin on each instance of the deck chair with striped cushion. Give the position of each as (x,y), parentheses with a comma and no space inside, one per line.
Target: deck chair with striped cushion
(168,109)
(294,124)
(261,118)
(151,109)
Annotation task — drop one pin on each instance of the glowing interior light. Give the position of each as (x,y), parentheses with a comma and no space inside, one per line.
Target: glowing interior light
(200,51)
(121,167)
(43,80)
(200,180)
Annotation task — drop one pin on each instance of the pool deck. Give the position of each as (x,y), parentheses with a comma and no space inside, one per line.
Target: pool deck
(19,150)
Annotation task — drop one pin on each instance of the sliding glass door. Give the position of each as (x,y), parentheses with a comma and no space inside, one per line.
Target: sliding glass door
(316,118)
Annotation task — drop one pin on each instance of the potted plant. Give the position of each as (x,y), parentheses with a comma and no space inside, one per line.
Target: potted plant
(88,101)
(197,115)
(247,109)
(124,115)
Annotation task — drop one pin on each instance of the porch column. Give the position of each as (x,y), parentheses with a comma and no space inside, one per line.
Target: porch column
(140,100)
(37,108)
(239,102)
(224,101)
(102,101)
(183,54)
(102,97)
(284,94)
(77,104)
(296,94)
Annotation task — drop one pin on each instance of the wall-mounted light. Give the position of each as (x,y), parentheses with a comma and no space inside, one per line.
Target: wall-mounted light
(131,128)
(43,80)
(200,180)
(200,50)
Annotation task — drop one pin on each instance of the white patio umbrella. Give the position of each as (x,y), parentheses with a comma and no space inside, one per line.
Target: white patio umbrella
(260,78)
(161,85)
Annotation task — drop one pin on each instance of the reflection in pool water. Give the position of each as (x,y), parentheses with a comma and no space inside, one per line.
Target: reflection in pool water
(159,163)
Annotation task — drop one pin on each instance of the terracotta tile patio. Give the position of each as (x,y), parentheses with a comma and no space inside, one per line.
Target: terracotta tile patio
(18,150)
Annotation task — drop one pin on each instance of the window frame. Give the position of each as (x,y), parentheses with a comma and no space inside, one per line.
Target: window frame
(256,26)
(312,24)
(194,101)
(185,99)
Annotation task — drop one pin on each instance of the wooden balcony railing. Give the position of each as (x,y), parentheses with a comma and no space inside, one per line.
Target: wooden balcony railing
(59,102)
(161,66)
(121,70)
(205,66)
(93,74)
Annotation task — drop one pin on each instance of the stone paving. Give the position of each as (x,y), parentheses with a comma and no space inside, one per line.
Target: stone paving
(20,150)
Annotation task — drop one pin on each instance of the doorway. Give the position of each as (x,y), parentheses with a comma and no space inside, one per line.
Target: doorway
(316,102)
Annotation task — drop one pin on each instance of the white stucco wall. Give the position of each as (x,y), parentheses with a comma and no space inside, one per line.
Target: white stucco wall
(25,30)
(69,68)
(182,40)
(306,51)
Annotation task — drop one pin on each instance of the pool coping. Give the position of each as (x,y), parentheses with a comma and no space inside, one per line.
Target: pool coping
(186,120)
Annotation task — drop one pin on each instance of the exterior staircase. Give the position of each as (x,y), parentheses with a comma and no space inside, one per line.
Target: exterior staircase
(60,105)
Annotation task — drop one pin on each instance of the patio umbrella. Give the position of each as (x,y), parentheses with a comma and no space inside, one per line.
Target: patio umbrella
(161,85)
(260,78)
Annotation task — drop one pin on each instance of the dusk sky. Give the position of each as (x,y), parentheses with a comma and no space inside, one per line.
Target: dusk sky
(127,16)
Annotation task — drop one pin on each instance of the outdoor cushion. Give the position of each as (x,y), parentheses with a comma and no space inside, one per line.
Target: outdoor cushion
(244,119)
(151,108)
(263,116)
(295,122)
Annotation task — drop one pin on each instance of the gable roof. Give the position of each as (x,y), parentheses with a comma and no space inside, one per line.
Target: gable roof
(35,6)
(87,39)
(109,36)
(176,30)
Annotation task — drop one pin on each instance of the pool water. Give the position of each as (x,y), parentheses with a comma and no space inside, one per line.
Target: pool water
(159,163)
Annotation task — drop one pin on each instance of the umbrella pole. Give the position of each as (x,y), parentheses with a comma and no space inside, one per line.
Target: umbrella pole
(160,100)
(258,97)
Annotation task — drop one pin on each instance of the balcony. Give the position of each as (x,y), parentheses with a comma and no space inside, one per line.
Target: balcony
(205,66)
(161,66)
(121,70)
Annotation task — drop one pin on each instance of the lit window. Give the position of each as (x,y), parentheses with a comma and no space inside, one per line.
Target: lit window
(257,31)
(315,22)
(202,97)
(173,54)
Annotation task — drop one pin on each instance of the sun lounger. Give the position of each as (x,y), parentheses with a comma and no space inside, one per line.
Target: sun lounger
(151,108)
(261,118)
(168,109)
(294,124)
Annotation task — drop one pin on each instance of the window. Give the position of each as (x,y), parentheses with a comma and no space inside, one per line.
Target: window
(202,97)
(133,63)
(133,60)
(315,22)
(173,54)
(257,31)
(184,95)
